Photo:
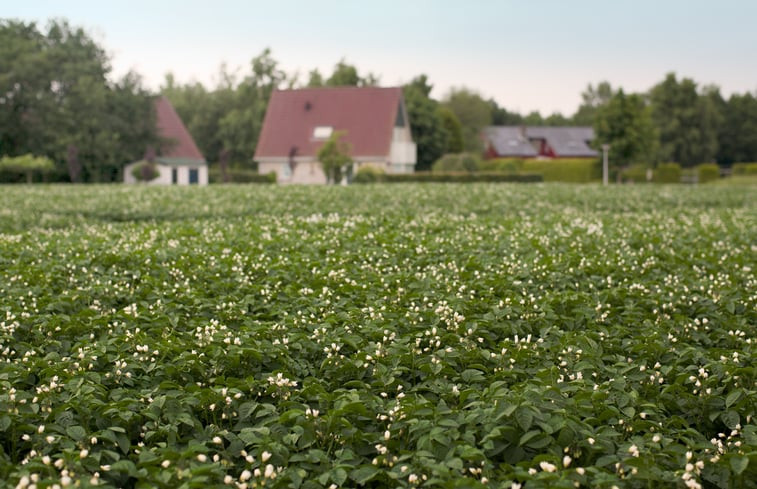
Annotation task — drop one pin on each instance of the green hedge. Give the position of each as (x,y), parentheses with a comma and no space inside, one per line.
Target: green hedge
(668,173)
(369,174)
(458,162)
(744,169)
(577,170)
(505,165)
(707,172)
(240,175)
(460,177)
(635,173)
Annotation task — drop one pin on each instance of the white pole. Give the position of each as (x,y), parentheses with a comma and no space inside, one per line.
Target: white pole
(605,170)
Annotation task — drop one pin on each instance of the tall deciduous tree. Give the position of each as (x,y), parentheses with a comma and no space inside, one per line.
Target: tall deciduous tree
(473,112)
(56,95)
(228,118)
(738,133)
(426,124)
(625,122)
(592,99)
(503,117)
(454,130)
(347,75)
(687,121)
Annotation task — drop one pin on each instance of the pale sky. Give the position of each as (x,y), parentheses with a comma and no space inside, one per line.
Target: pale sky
(527,54)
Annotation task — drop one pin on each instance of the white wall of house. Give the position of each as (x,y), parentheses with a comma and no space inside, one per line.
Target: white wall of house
(305,171)
(166,175)
(403,152)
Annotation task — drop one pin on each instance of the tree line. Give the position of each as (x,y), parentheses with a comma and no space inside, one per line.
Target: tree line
(57,100)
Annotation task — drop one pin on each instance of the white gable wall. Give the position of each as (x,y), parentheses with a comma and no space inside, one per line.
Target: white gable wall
(165,176)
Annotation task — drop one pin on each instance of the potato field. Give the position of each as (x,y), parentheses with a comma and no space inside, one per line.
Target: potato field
(411,336)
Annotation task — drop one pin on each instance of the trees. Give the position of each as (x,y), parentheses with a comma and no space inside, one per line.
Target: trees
(687,122)
(334,156)
(426,123)
(454,130)
(593,99)
(473,112)
(347,75)
(57,96)
(737,137)
(228,118)
(625,123)
(502,117)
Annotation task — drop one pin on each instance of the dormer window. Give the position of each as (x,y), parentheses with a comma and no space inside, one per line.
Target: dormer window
(322,132)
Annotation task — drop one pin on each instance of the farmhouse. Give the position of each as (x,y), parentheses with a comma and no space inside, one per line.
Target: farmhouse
(178,161)
(373,120)
(539,142)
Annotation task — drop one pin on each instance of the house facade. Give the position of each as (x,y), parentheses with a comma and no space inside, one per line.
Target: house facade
(373,121)
(178,161)
(539,142)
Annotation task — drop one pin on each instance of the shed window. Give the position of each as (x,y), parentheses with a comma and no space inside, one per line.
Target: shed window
(194,175)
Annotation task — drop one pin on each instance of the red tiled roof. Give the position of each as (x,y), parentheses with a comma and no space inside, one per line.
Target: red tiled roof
(171,127)
(366,114)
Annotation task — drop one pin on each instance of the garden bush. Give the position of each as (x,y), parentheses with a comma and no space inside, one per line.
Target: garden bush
(635,173)
(744,169)
(707,172)
(145,171)
(667,173)
(369,174)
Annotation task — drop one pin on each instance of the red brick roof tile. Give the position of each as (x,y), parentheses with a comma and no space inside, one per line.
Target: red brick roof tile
(366,114)
(171,127)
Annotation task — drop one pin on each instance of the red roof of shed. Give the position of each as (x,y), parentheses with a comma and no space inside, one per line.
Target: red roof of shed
(366,114)
(171,127)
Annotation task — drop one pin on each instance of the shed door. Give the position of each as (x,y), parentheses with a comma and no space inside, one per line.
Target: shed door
(194,175)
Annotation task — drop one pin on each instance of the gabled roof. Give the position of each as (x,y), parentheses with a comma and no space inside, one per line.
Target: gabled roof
(564,141)
(509,141)
(366,114)
(181,147)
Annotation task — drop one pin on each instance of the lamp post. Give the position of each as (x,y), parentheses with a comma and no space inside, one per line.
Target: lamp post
(605,170)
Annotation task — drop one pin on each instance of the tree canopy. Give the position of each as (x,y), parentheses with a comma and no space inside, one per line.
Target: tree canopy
(57,96)
(473,112)
(625,122)
(687,121)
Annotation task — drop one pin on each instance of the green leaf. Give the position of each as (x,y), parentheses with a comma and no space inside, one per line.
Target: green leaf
(246,409)
(77,433)
(364,473)
(739,463)
(732,397)
(524,418)
(339,475)
(526,437)
(731,419)
(5,422)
